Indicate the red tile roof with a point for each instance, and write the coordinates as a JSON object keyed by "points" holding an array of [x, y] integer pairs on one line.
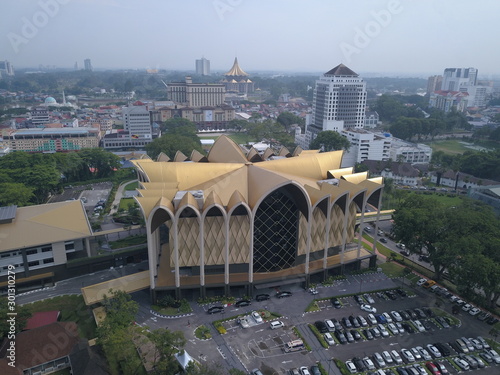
{"points": [[41, 319]]}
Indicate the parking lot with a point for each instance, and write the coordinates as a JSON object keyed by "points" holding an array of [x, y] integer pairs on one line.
{"points": [[258, 346]]}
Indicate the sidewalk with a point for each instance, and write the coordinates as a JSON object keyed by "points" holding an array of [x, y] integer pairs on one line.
{"points": [[118, 196]]}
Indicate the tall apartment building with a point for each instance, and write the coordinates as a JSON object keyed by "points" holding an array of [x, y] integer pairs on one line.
{"points": [[459, 79], [434, 84], [6, 68], [196, 94], [203, 67], [339, 102], [88, 65], [137, 121]]}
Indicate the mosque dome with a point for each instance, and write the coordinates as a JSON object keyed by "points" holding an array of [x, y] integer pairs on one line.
{"points": [[50, 100]]}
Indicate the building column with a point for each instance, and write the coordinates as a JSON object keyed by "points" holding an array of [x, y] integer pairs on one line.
{"points": [[178, 293], [87, 246], [373, 261]]}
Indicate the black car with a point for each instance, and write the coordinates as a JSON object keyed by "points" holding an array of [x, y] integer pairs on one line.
{"points": [[445, 351], [412, 314], [368, 334], [455, 347], [284, 294], [321, 326], [355, 333], [492, 321], [346, 322], [442, 321], [215, 309], [404, 315], [420, 313], [383, 240], [408, 328], [391, 294], [428, 312], [337, 325], [262, 297], [427, 325], [358, 362], [354, 322], [341, 337], [242, 303], [315, 370], [401, 292], [336, 303]]}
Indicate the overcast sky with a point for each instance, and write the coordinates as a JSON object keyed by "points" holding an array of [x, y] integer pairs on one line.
{"points": [[390, 37]]}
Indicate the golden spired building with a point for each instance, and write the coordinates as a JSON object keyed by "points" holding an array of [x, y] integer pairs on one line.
{"points": [[236, 80], [233, 222]]}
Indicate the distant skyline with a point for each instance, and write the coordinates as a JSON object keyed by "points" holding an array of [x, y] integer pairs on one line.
{"points": [[392, 37]]}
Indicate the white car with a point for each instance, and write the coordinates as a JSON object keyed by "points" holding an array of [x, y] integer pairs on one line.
{"points": [[483, 342], [383, 331], [368, 308], [494, 355], [369, 363], [419, 326], [368, 298], [387, 357], [421, 282], [329, 339], [244, 322], [462, 363], [387, 317], [392, 327], [434, 351], [407, 354], [397, 358], [416, 354], [474, 311], [467, 307], [276, 324], [257, 317], [379, 360], [372, 319], [425, 354], [396, 316], [351, 367], [304, 370]]}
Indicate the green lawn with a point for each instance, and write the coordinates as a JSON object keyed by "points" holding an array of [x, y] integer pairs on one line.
{"points": [[132, 186], [73, 309], [452, 146], [124, 202]]}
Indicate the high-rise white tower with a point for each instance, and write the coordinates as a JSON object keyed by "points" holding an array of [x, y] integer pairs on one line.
{"points": [[203, 67]]}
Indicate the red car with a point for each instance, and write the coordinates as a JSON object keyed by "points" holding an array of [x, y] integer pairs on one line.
{"points": [[432, 368]]}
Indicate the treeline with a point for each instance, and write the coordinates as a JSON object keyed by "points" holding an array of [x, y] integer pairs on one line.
{"points": [[409, 121], [481, 164], [30, 178]]}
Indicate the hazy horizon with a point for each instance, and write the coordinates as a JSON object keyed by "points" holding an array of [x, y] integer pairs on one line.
{"points": [[374, 38]]}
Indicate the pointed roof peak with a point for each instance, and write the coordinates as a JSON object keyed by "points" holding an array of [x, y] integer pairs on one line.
{"points": [[236, 70], [341, 70]]}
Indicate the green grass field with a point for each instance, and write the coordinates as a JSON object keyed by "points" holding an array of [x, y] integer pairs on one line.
{"points": [[458, 146], [73, 309], [132, 186]]}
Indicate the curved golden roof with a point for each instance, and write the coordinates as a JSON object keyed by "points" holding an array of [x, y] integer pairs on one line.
{"points": [[236, 70], [226, 177]]}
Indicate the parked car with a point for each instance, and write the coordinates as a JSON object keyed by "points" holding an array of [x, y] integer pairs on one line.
{"points": [[242, 303], [387, 358], [396, 357], [360, 365], [262, 297], [315, 370], [461, 363], [256, 371], [368, 334], [368, 298], [329, 339], [432, 368], [284, 294], [443, 349], [379, 360], [474, 311], [396, 316], [407, 355], [351, 367], [321, 326], [336, 303], [421, 282], [372, 319], [304, 371], [257, 317], [387, 317], [215, 309], [276, 324], [441, 366], [341, 337], [369, 363], [433, 350]]}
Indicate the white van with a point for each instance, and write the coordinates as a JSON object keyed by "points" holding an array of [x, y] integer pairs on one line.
{"points": [[330, 325]]}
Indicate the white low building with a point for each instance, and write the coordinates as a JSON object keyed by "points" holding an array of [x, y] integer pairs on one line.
{"points": [[366, 146]]}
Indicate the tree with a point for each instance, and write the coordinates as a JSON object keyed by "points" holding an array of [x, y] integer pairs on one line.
{"points": [[12, 193], [166, 343], [23, 314], [287, 119], [330, 140], [99, 163], [169, 144]]}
